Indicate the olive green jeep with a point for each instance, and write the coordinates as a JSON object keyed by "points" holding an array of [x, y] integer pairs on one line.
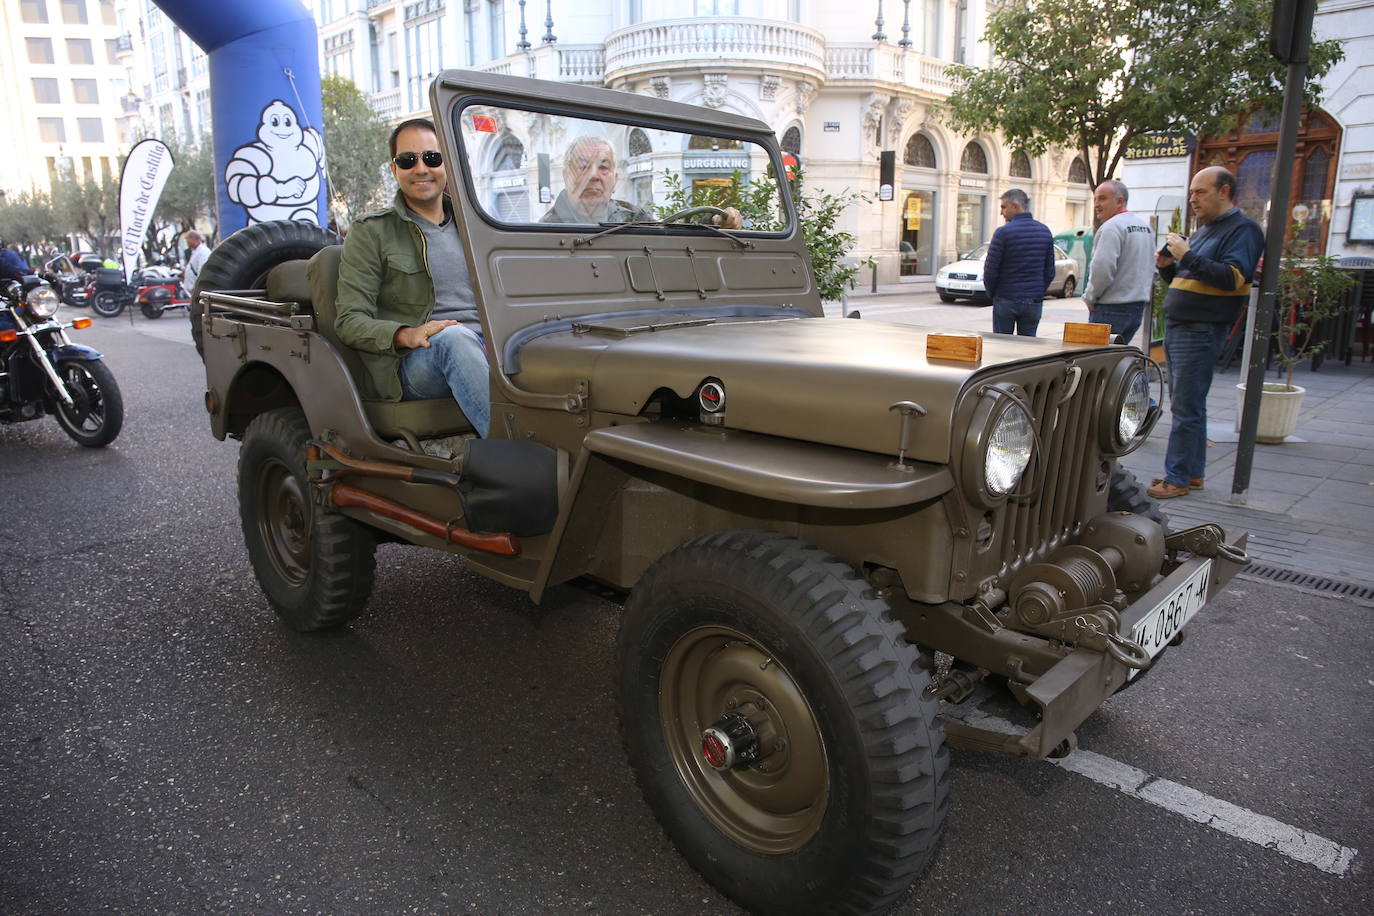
{"points": [[829, 533]]}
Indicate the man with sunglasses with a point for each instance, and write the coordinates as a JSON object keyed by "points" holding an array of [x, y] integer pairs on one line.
{"points": [[405, 299]]}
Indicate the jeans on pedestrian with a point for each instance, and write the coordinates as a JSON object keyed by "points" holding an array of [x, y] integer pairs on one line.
{"points": [[1020, 316], [454, 364], [1191, 349], [1124, 317]]}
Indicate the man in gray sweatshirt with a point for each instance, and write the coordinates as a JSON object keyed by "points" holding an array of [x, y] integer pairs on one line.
{"points": [[1121, 280]]}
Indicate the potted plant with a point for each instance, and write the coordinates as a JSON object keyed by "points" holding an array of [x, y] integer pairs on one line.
{"points": [[1310, 291]]}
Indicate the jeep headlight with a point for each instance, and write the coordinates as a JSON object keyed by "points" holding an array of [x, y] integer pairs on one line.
{"points": [[1008, 450], [1134, 407], [42, 302], [1125, 418]]}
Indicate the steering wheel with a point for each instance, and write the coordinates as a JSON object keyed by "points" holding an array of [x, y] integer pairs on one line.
{"points": [[695, 211]]}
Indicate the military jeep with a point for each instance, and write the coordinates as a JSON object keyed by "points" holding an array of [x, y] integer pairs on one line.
{"points": [[827, 532]]}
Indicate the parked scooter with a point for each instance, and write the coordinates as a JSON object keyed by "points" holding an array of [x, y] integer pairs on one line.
{"points": [[43, 372]]}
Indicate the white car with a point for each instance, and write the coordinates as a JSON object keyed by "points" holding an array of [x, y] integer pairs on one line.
{"points": [[964, 278]]}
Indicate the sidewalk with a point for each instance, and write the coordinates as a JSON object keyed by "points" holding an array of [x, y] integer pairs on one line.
{"points": [[1310, 504]]}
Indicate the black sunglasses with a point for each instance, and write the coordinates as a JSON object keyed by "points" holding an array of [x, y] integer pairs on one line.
{"points": [[432, 158]]}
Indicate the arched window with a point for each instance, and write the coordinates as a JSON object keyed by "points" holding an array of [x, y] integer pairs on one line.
{"points": [[1078, 171], [639, 143], [509, 155], [1020, 165], [700, 141], [919, 152], [1314, 174], [974, 159], [791, 141]]}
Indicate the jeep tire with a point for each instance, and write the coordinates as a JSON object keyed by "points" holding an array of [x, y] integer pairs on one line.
{"points": [[314, 565], [846, 805], [243, 260]]}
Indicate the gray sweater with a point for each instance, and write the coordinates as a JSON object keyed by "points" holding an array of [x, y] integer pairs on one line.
{"points": [[1123, 267]]}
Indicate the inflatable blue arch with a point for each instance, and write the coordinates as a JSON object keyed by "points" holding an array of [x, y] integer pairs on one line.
{"points": [[264, 107]]}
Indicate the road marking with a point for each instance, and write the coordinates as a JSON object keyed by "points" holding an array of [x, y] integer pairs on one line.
{"points": [[1232, 820]]}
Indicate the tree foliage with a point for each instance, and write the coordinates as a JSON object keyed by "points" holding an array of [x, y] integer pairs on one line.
{"points": [[1092, 75], [757, 200], [88, 207], [189, 194], [27, 220], [356, 146]]}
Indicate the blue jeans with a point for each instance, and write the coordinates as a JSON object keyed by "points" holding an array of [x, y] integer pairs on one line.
{"points": [[455, 364], [1191, 349], [1124, 317], [1019, 315]]}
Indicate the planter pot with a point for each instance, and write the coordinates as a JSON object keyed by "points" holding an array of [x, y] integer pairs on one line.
{"points": [[1278, 412]]}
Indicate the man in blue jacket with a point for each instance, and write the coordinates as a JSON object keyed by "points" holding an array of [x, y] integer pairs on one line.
{"points": [[1209, 276], [1019, 267]]}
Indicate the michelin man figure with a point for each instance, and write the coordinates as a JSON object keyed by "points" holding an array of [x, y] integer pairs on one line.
{"points": [[278, 175]]}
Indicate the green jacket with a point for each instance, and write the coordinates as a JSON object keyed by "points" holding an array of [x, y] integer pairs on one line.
{"points": [[384, 285]]}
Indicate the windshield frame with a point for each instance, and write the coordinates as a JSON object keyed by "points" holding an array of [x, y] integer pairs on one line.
{"points": [[467, 100]]}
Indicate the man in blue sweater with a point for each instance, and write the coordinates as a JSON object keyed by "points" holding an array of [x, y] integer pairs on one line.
{"points": [[1209, 276], [1019, 267]]}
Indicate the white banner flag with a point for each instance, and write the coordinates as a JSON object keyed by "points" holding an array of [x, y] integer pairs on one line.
{"points": [[140, 185]]}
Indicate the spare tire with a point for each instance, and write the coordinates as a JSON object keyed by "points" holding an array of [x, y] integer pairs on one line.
{"points": [[243, 260]]}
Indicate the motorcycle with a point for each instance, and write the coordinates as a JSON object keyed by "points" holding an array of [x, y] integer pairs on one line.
{"points": [[153, 289], [43, 372], [69, 282]]}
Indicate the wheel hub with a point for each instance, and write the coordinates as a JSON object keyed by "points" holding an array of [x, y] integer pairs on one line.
{"points": [[731, 742]]}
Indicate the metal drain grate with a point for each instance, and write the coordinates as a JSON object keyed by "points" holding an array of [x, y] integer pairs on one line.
{"points": [[1326, 584]]}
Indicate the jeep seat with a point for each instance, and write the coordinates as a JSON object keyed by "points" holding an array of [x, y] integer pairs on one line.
{"points": [[426, 419]]}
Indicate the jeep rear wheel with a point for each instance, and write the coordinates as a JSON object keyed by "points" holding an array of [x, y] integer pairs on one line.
{"points": [[315, 566], [243, 260], [777, 723]]}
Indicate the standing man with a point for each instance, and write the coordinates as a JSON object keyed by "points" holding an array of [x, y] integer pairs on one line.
{"points": [[405, 300], [1121, 281], [1019, 267], [1209, 277], [200, 253]]}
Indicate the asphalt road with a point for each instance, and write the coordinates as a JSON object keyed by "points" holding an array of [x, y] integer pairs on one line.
{"points": [[167, 747]]}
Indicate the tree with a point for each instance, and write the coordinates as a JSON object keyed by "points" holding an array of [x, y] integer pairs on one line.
{"points": [[189, 193], [88, 208], [1093, 75], [355, 146], [28, 221]]}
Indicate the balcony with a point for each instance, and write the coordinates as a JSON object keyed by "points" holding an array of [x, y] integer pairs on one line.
{"points": [[564, 63], [865, 62], [387, 103], [678, 44]]}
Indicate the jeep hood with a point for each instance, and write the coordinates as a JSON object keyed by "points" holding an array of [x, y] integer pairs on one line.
{"points": [[827, 380]]}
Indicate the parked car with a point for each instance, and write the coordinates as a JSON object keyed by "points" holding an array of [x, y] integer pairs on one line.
{"points": [[964, 278]]}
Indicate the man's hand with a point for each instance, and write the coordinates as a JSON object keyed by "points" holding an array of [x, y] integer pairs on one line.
{"points": [[1177, 245], [413, 338], [733, 219]]}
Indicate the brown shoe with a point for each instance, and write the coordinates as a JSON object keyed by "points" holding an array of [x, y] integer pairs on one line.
{"points": [[1194, 483], [1165, 490]]}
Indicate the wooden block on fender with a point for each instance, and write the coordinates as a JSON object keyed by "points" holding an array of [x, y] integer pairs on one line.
{"points": [[1080, 333], [967, 348]]}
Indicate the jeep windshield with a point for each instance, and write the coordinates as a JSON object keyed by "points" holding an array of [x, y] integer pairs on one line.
{"points": [[536, 169]]}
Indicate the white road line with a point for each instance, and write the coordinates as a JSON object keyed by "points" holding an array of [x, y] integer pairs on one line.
{"points": [[1232, 820]]}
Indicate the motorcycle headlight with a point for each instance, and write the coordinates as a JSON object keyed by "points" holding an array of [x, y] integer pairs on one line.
{"points": [[42, 302], [1008, 451]]}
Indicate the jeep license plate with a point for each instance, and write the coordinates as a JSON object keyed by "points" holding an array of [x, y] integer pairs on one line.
{"points": [[1162, 624]]}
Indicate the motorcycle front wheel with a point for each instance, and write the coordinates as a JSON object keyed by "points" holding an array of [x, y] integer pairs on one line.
{"points": [[107, 304], [97, 411]]}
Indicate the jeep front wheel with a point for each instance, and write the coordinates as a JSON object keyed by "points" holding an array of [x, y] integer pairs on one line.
{"points": [[315, 566], [777, 723]]}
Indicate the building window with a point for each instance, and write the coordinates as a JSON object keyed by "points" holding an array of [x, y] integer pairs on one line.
{"points": [[45, 90], [917, 245], [791, 140], [919, 152], [424, 52], [74, 12], [961, 33], [112, 50], [717, 7], [470, 32], [510, 195], [496, 29], [969, 221], [84, 92], [157, 47], [1078, 172], [107, 12], [79, 51], [52, 130], [974, 159], [92, 130], [1020, 165], [33, 11], [639, 143], [40, 50]]}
